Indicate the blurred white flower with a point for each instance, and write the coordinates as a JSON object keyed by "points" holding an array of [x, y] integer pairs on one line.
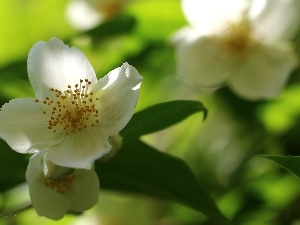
{"points": [[240, 42], [54, 196], [73, 114], [86, 14]]}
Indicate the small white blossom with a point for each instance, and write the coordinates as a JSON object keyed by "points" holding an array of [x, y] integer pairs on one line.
{"points": [[73, 114], [240, 42], [86, 14], [55, 196]]}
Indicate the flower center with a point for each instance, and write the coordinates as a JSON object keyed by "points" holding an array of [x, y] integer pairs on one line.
{"points": [[71, 110], [60, 186], [110, 9], [237, 38]]}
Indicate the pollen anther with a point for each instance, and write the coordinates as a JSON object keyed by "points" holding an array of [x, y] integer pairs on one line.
{"points": [[60, 186], [71, 110]]}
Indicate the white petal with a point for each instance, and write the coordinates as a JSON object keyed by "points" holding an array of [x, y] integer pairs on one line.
{"points": [[264, 72], [55, 65], [202, 62], [118, 94], [212, 15], [275, 20], [46, 202], [80, 149], [24, 126], [85, 190]]}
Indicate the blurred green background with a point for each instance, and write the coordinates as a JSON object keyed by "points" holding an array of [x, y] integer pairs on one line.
{"points": [[224, 151]]}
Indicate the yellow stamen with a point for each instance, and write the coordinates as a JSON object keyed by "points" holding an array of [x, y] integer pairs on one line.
{"points": [[71, 110], [60, 186], [237, 38]]}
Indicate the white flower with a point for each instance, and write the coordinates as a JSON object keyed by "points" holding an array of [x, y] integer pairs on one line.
{"points": [[86, 14], [73, 114], [244, 45], [54, 197], [81, 15]]}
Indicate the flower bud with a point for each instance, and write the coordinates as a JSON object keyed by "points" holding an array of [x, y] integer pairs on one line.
{"points": [[53, 171], [116, 142]]}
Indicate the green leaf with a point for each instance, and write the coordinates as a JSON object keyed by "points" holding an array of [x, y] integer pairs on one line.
{"points": [[290, 163], [138, 168], [12, 167], [161, 116], [119, 25]]}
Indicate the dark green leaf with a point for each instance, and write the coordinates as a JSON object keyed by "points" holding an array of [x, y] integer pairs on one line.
{"points": [[139, 168], [290, 163], [117, 26], [12, 167], [161, 116]]}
